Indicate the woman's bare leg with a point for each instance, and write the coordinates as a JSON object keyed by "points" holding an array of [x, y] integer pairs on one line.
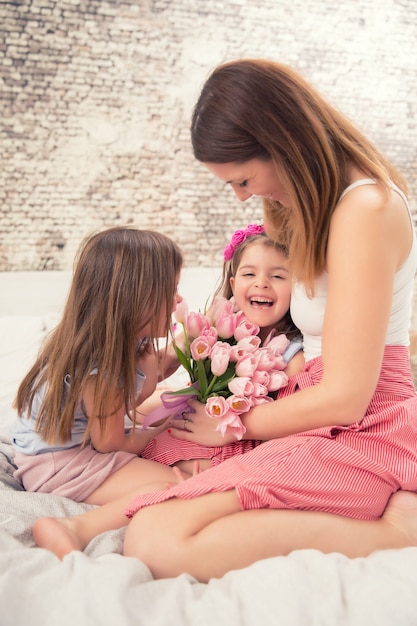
{"points": [[205, 536]]}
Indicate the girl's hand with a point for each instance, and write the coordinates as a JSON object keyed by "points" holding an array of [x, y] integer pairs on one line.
{"points": [[198, 427], [184, 475]]}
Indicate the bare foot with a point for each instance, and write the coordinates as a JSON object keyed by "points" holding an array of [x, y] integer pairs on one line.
{"points": [[57, 535], [401, 512]]}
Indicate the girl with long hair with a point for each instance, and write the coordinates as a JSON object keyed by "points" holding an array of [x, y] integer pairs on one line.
{"points": [[73, 436]]}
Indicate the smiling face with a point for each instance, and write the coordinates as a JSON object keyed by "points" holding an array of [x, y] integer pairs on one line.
{"points": [[251, 178], [262, 285]]}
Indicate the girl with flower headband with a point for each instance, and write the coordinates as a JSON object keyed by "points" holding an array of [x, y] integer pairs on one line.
{"points": [[232, 255], [256, 275]]}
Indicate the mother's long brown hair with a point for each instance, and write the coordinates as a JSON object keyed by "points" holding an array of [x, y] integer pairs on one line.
{"points": [[254, 108], [124, 279]]}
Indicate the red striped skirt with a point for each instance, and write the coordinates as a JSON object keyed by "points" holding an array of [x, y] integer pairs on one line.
{"points": [[167, 450], [349, 471]]}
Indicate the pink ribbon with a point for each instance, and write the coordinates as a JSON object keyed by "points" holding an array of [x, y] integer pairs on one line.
{"points": [[172, 404]]}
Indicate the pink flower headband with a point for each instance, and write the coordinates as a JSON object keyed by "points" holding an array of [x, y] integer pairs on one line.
{"points": [[239, 236]]}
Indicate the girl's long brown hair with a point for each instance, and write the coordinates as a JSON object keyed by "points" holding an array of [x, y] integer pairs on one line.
{"points": [[254, 108], [123, 279]]}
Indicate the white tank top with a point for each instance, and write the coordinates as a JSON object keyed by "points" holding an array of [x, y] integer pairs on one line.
{"points": [[308, 313]]}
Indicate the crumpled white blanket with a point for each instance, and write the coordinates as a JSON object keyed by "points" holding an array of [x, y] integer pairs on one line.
{"points": [[101, 587]]}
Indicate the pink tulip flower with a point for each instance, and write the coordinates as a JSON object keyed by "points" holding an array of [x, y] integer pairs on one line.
{"points": [[259, 390], [211, 335], [226, 324], [247, 365], [221, 305], [200, 349], [258, 369], [181, 312], [231, 423], [266, 359], [246, 345], [256, 400], [277, 344], [245, 329], [241, 386], [277, 380], [261, 377], [280, 363], [220, 358], [238, 404], [196, 323], [217, 407]]}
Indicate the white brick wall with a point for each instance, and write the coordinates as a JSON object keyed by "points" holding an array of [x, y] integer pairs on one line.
{"points": [[96, 98]]}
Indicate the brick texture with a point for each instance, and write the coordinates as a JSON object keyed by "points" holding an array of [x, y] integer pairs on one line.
{"points": [[96, 98]]}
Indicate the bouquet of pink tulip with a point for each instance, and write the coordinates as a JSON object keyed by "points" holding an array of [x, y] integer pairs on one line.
{"points": [[229, 370]]}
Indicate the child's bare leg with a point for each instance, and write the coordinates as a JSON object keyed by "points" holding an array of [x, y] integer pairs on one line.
{"points": [[63, 535], [205, 536], [134, 476]]}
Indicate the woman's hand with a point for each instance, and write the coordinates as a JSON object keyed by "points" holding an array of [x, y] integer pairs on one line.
{"points": [[198, 427]]}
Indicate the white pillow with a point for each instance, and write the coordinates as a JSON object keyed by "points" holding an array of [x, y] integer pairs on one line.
{"points": [[20, 340]]}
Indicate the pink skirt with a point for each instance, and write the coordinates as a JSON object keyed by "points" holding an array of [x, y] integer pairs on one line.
{"points": [[350, 471], [73, 473]]}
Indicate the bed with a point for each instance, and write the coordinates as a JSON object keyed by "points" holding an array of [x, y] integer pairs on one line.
{"points": [[100, 586]]}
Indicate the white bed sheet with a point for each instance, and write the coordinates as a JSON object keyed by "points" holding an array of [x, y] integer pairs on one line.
{"points": [[102, 587]]}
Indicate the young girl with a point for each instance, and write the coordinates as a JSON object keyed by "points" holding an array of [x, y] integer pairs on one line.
{"points": [[96, 367], [256, 274]]}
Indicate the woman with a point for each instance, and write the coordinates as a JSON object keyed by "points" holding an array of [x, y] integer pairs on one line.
{"points": [[342, 437]]}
